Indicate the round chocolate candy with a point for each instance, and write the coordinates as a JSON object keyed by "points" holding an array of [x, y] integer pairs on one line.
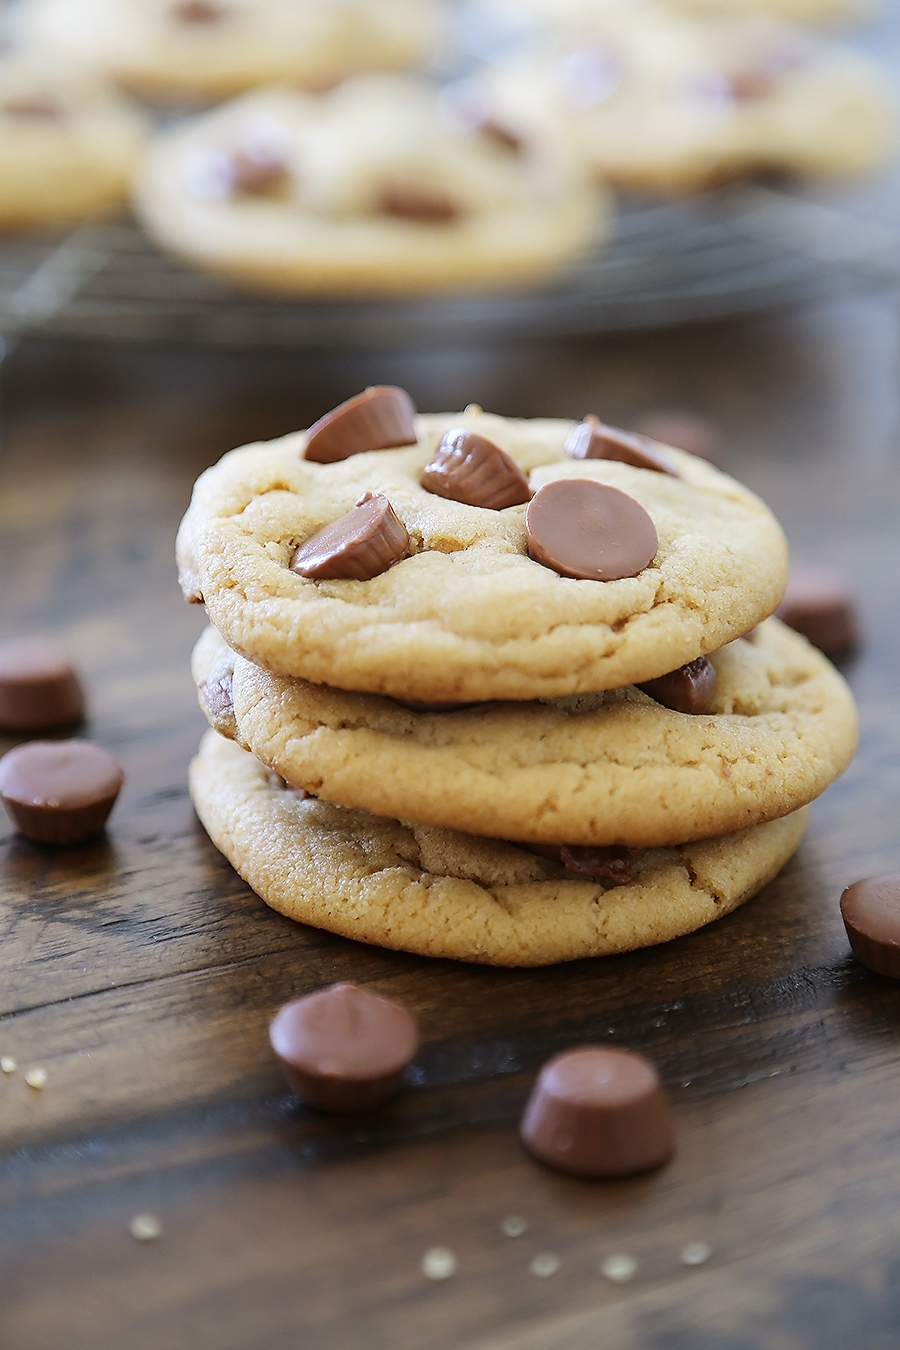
{"points": [[598, 1113], [59, 792], [587, 530], [38, 687], [819, 604], [871, 912], [343, 1049]]}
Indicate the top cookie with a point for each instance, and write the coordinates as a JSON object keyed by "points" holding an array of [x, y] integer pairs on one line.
{"points": [[209, 49], [467, 614]]}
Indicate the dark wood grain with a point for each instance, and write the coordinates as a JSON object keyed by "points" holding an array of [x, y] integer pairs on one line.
{"points": [[141, 973]]}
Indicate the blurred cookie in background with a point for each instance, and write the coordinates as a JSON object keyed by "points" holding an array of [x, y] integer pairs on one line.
{"points": [[661, 102], [376, 187], [794, 11], [204, 50], [687, 430], [68, 143]]}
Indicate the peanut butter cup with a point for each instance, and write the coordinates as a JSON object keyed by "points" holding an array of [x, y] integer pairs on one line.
{"points": [[592, 440], [589, 531], [598, 1113], [471, 469], [38, 687], [359, 545], [59, 792], [378, 419], [871, 912], [689, 689], [343, 1049]]}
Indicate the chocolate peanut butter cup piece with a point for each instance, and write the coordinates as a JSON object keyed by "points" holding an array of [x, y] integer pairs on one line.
{"points": [[415, 203], [598, 1113], [689, 689], [496, 131], [871, 912], [471, 469], [255, 174], [36, 108], [59, 792], [821, 605], [358, 546], [591, 439], [344, 1049], [378, 419], [38, 687], [196, 11], [589, 531]]}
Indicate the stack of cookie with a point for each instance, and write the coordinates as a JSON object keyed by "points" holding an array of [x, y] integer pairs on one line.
{"points": [[497, 690]]}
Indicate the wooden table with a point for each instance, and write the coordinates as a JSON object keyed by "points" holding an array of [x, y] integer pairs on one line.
{"points": [[141, 973]]}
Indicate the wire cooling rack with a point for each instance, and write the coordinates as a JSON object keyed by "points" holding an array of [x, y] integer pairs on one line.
{"points": [[728, 252]]}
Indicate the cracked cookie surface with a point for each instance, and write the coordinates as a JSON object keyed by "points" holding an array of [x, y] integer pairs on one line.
{"points": [[615, 768], [440, 893], [468, 615]]}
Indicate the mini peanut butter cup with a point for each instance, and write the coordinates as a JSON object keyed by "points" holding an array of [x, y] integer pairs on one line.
{"points": [[871, 912], [592, 440], [589, 531], [254, 175], [343, 1049], [358, 546], [689, 689], [377, 419], [595, 1112], [417, 203], [196, 11], [469, 468], [38, 687], [59, 792]]}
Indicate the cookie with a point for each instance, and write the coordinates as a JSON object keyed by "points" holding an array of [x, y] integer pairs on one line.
{"points": [[68, 145], [440, 893], [615, 768], [793, 11], [468, 615], [372, 188], [662, 102], [211, 49]]}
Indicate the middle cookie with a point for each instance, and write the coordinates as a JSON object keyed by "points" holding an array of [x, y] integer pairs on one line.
{"points": [[605, 768]]}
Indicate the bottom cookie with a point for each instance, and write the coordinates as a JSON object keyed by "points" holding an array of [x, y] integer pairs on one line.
{"points": [[436, 892]]}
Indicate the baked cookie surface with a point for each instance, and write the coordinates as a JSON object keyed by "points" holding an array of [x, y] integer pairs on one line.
{"points": [[368, 189], [793, 11], [211, 49], [663, 102], [68, 144], [439, 893], [469, 615], [598, 769]]}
